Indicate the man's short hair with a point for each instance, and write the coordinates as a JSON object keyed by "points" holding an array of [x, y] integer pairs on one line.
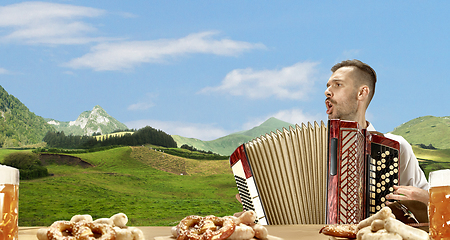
{"points": [[370, 79]]}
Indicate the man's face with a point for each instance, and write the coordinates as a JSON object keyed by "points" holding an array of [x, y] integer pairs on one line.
{"points": [[341, 95]]}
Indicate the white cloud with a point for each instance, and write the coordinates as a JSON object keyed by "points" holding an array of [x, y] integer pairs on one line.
{"points": [[203, 132], [47, 23], [125, 55], [4, 71], [144, 104], [293, 116], [293, 82], [140, 106]]}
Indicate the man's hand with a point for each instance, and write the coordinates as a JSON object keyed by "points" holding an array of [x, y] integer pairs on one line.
{"points": [[238, 197], [409, 193]]}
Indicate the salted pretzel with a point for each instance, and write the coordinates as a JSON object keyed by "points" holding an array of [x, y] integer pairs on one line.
{"points": [[62, 230], [340, 230], [83, 227], [204, 228], [95, 231], [83, 230]]}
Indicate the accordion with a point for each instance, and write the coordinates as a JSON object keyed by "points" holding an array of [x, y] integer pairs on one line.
{"points": [[313, 174]]}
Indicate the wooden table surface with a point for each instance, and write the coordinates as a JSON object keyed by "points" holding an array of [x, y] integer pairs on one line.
{"points": [[286, 232]]}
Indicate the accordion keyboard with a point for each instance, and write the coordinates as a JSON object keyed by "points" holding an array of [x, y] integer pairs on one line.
{"points": [[383, 175], [244, 193]]}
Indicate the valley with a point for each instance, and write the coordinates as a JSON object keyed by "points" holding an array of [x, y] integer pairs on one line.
{"points": [[131, 180]]}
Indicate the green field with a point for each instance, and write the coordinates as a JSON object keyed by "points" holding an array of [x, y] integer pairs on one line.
{"points": [[121, 183], [151, 187], [431, 160]]}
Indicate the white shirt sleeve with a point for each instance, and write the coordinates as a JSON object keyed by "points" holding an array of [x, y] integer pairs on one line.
{"points": [[410, 172]]}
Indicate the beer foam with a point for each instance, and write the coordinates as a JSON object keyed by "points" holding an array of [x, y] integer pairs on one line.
{"points": [[9, 175], [439, 178]]}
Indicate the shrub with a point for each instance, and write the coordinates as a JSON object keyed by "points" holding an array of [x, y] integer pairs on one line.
{"points": [[427, 147], [29, 165]]}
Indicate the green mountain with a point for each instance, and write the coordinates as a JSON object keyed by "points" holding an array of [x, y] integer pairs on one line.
{"points": [[19, 126], [426, 130], [227, 144], [89, 122]]}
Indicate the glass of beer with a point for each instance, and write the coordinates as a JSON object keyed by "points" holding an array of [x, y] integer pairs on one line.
{"points": [[9, 202], [439, 205]]}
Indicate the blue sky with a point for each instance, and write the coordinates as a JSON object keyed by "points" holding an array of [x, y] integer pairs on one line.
{"points": [[205, 69]]}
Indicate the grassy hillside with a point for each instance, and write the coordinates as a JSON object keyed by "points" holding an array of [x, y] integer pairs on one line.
{"points": [[151, 187], [18, 125], [426, 130], [431, 160], [227, 144], [128, 180]]}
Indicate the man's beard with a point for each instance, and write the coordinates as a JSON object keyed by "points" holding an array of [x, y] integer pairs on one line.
{"points": [[348, 113]]}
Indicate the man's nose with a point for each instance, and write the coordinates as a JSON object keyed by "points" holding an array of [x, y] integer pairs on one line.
{"points": [[328, 92]]}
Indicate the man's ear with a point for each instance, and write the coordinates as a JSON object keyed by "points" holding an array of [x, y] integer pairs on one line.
{"points": [[363, 93]]}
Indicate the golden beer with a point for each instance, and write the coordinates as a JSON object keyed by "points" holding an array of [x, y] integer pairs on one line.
{"points": [[9, 204], [439, 204]]}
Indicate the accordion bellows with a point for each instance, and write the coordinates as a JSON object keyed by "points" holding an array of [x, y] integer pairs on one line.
{"points": [[316, 174], [291, 168]]}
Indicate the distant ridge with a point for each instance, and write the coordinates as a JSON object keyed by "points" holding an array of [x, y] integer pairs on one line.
{"points": [[426, 130], [227, 144], [18, 125], [89, 122]]}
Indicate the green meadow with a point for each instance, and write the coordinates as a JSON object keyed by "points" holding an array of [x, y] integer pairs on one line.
{"points": [[152, 187], [432, 159], [129, 180]]}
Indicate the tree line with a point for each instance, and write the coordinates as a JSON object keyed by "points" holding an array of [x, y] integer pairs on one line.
{"points": [[146, 135]]}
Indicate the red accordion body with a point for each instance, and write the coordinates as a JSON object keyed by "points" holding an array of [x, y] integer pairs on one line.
{"points": [[362, 169]]}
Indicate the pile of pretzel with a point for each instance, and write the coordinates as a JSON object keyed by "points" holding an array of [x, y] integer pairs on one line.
{"points": [[383, 225], [379, 226], [83, 227], [237, 227]]}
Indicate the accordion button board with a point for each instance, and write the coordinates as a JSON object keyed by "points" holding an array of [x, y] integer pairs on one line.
{"points": [[383, 174]]}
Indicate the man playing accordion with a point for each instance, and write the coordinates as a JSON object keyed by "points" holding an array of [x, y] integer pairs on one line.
{"points": [[349, 92]]}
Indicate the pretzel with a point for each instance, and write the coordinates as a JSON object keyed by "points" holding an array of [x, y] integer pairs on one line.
{"points": [[95, 231], [62, 230], [239, 226], [82, 227], [340, 230], [227, 227], [184, 231], [210, 227]]}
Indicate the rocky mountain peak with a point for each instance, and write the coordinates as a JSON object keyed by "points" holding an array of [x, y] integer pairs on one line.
{"points": [[88, 122]]}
